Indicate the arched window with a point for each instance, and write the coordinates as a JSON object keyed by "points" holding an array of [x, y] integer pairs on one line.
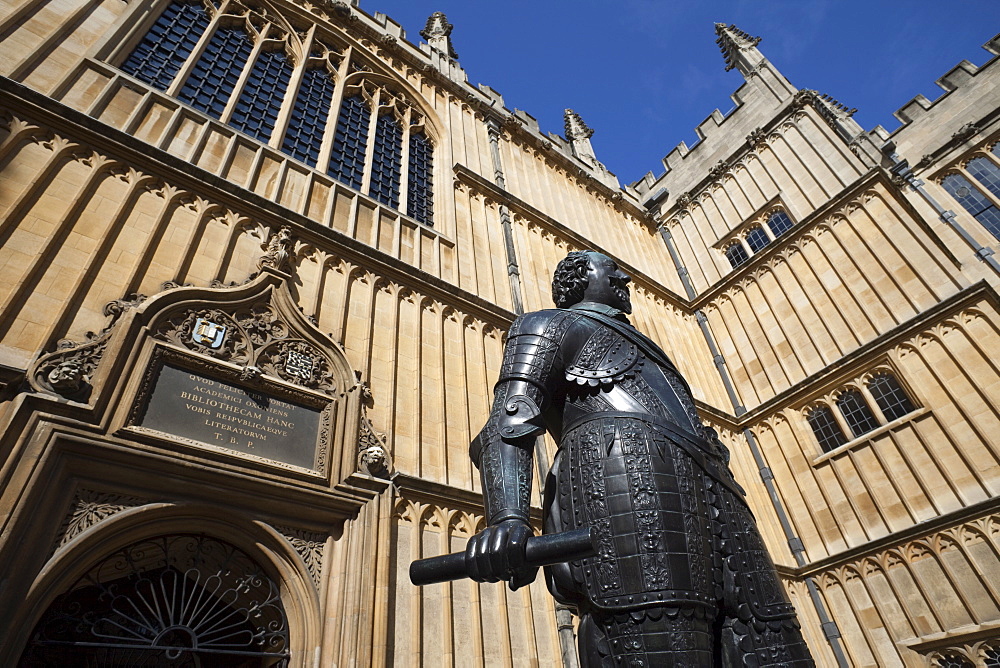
{"points": [[973, 201], [889, 396], [386, 162], [857, 414], [384, 155], [160, 54], [826, 429], [178, 600], [257, 109], [419, 191], [736, 254], [779, 222], [757, 238], [217, 71], [986, 172], [304, 136]]}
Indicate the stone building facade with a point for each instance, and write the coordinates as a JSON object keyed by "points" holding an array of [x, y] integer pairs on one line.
{"points": [[256, 262]]}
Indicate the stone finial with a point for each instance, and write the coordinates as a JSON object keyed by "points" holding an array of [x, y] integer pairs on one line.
{"points": [[437, 32], [738, 48], [575, 127]]}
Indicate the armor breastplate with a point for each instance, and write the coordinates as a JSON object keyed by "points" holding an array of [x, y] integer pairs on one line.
{"points": [[611, 373]]}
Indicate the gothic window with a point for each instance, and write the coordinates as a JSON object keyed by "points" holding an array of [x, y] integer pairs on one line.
{"points": [[243, 77], [986, 172], [217, 71], [736, 254], [160, 54], [857, 414], [419, 193], [975, 202], [347, 162], [757, 238], [889, 396], [826, 429], [257, 109], [386, 163], [779, 222], [304, 136]]}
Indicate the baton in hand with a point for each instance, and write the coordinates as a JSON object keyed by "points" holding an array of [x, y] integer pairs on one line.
{"points": [[539, 551]]}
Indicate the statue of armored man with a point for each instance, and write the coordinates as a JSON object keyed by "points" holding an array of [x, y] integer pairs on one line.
{"points": [[681, 576]]}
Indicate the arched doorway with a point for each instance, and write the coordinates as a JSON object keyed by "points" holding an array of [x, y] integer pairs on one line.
{"points": [[177, 601]]}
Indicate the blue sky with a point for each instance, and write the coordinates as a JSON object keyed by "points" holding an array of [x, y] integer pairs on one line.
{"points": [[644, 73]]}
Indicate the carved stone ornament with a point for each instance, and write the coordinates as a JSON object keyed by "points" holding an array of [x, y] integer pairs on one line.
{"points": [[90, 508], [279, 249], [68, 371], [309, 545], [253, 336], [373, 451]]}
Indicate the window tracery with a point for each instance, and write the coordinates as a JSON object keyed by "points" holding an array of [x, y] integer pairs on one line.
{"points": [[975, 185], [761, 230], [240, 64]]}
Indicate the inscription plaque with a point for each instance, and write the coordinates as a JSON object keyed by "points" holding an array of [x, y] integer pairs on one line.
{"points": [[200, 408]]}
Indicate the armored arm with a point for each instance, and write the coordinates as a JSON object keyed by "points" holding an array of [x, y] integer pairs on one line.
{"points": [[503, 449]]}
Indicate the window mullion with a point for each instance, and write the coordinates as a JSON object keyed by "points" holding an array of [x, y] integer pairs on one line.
{"points": [[241, 83], [404, 164], [330, 131], [288, 102], [185, 71], [838, 415], [366, 179], [872, 404]]}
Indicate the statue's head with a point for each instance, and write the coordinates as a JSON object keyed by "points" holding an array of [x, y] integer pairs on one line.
{"points": [[590, 276]]}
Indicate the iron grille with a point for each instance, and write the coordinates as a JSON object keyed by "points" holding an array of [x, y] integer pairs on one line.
{"points": [[179, 600]]}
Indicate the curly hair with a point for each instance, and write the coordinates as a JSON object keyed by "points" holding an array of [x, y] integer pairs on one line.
{"points": [[570, 279]]}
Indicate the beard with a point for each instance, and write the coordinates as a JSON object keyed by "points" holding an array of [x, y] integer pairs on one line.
{"points": [[623, 297]]}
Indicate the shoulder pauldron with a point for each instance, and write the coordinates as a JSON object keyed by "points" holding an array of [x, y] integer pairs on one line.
{"points": [[606, 357]]}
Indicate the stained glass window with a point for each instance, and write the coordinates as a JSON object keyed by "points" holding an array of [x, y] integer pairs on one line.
{"points": [[217, 71], [826, 429], [305, 127], [889, 396], [857, 414], [386, 161], [419, 193], [160, 54], [974, 202], [257, 109], [347, 162], [779, 222]]}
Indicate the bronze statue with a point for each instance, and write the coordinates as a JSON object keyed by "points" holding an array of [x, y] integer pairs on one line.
{"points": [[681, 576]]}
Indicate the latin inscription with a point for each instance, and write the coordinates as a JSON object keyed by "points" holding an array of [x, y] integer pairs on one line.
{"points": [[209, 410]]}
